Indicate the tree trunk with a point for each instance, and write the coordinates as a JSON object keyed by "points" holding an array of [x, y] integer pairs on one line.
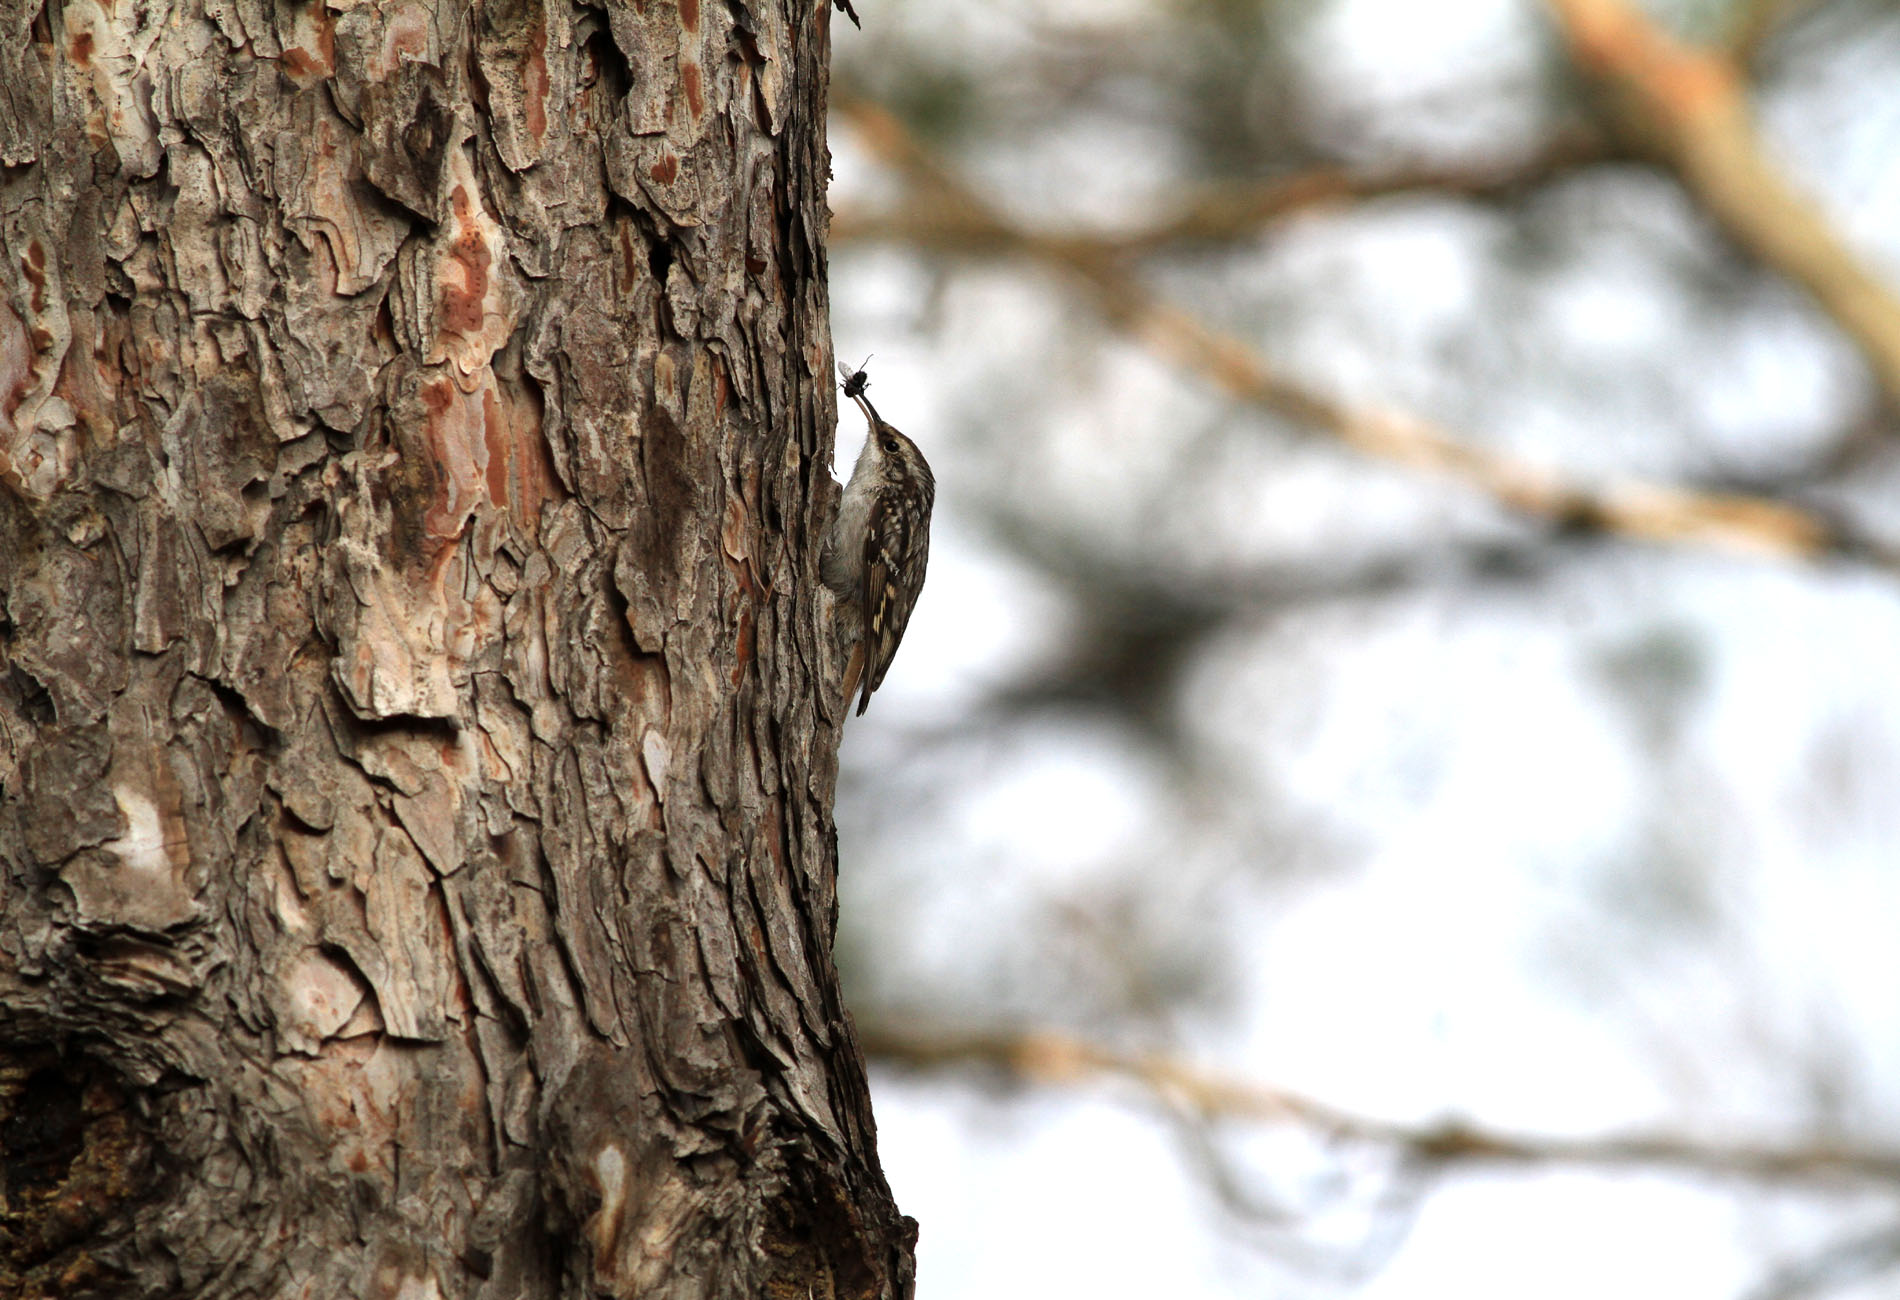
{"points": [[416, 744]]}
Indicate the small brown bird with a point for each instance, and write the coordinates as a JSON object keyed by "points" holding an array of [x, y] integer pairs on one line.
{"points": [[880, 543]]}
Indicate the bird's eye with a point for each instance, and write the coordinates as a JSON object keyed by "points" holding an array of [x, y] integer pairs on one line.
{"points": [[890, 444]]}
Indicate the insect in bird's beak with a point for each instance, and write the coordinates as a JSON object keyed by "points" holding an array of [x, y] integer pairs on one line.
{"points": [[855, 381]]}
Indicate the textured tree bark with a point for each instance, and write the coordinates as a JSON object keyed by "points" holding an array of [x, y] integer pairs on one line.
{"points": [[416, 744]]}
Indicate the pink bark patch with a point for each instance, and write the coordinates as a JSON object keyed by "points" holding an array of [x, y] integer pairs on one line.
{"points": [[33, 267], [463, 304], [406, 37], [520, 475], [691, 82], [456, 445], [534, 85], [16, 366]]}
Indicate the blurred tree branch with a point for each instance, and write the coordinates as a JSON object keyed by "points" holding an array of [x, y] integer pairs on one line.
{"points": [[1653, 512], [1389, 1213], [1225, 213], [1685, 108], [1057, 1059], [1758, 24], [1852, 1260], [1143, 624]]}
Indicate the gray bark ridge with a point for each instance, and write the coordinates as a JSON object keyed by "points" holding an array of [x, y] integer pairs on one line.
{"points": [[417, 874]]}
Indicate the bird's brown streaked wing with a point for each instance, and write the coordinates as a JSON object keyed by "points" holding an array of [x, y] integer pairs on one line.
{"points": [[895, 543]]}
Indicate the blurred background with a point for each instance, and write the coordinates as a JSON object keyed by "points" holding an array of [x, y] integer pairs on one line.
{"points": [[1393, 786]]}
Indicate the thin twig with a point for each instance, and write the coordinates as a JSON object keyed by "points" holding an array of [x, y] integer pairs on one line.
{"points": [[1685, 107], [1056, 1059], [1652, 512]]}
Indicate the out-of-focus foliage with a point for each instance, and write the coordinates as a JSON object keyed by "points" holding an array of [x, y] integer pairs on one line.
{"points": [[1215, 739]]}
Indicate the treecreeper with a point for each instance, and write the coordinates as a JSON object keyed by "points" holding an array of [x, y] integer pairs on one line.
{"points": [[879, 546]]}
